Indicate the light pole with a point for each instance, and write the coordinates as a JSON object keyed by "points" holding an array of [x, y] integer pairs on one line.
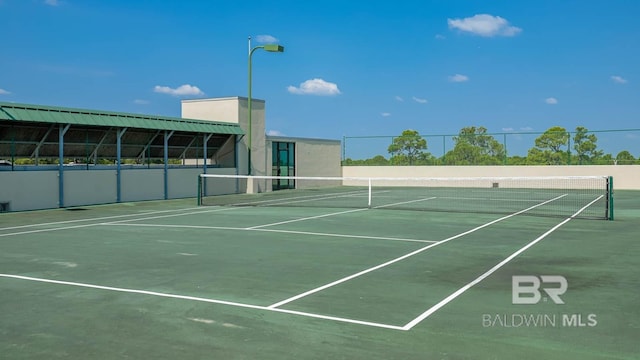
{"points": [[270, 48]]}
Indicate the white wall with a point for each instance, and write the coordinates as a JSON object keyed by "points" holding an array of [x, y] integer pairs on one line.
{"points": [[33, 190], [218, 109], [142, 184], [29, 190], [313, 157], [89, 187], [625, 177], [235, 110], [318, 157]]}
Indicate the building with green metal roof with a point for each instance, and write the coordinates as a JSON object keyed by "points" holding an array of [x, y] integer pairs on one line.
{"points": [[54, 156]]}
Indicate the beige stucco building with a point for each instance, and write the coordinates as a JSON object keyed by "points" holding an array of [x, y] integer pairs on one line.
{"points": [[270, 155]]}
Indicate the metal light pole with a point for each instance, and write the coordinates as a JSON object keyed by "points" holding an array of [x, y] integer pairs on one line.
{"points": [[270, 48]]}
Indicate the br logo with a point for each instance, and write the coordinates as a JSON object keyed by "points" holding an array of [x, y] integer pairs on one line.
{"points": [[529, 285]]}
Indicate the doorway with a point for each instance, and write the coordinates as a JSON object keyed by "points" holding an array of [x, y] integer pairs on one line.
{"points": [[283, 164]]}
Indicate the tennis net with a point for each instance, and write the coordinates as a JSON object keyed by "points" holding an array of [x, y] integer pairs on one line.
{"points": [[591, 196]]}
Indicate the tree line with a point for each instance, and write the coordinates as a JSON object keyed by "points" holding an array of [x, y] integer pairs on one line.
{"points": [[474, 146]]}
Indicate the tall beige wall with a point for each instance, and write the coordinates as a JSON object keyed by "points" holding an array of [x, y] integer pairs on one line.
{"points": [[625, 177], [235, 110], [313, 157], [218, 109]]}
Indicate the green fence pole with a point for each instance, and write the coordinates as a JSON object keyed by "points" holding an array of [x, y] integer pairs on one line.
{"points": [[506, 156], [569, 150], [344, 148], [444, 150]]}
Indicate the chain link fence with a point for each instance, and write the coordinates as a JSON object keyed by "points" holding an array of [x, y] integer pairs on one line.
{"points": [[604, 147]]}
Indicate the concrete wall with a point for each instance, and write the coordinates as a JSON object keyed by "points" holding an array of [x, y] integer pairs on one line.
{"points": [[218, 109], [314, 157], [29, 190], [235, 110], [89, 187], [143, 184], [625, 177], [33, 190], [318, 157]]}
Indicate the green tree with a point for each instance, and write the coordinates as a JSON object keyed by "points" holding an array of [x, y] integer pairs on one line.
{"points": [[625, 158], [407, 148], [585, 146], [475, 147], [548, 149]]}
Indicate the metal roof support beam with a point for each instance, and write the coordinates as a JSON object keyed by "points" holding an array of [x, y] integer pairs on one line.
{"points": [[36, 151], [118, 164], [94, 154], [167, 135], [146, 147], [62, 129], [184, 153]]}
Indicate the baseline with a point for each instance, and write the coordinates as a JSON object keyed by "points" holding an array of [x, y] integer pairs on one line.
{"points": [[200, 299]]}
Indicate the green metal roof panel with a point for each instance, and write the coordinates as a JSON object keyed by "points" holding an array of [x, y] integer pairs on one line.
{"points": [[58, 115]]}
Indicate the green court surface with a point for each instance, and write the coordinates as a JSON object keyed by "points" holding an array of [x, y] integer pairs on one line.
{"points": [[170, 280]]}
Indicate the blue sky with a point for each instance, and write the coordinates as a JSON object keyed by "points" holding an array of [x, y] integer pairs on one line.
{"points": [[349, 68]]}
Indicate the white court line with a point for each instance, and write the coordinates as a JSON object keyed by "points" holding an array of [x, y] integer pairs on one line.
{"points": [[345, 235], [490, 199], [47, 230], [194, 298], [114, 222], [403, 202], [305, 218], [92, 219], [298, 199], [459, 292], [217, 209], [339, 281], [275, 231], [336, 213]]}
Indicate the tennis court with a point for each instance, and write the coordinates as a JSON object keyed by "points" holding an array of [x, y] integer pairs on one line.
{"points": [[168, 279]]}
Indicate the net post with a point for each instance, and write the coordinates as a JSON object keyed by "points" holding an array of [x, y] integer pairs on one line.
{"points": [[610, 196], [199, 190], [369, 200]]}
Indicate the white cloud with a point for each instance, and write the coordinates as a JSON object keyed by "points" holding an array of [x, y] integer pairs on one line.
{"points": [[526, 128], [508, 129], [179, 91], [618, 79], [399, 98], [266, 39], [4, 92], [141, 102], [440, 37], [52, 2], [418, 100], [274, 133], [315, 87], [385, 114], [484, 25], [551, 101], [458, 78]]}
